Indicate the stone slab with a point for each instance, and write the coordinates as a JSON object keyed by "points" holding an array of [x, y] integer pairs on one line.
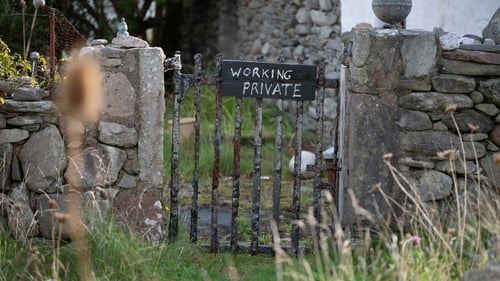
{"points": [[368, 140], [473, 56], [151, 111], [29, 106], [469, 68], [481, 47]]}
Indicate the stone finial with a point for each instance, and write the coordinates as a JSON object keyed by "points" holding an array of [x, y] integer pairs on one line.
{"points": [[122, 28], [391, 11], [124, 40]]}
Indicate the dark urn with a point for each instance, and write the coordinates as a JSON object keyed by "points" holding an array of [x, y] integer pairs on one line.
{"points": [[391, 11]]}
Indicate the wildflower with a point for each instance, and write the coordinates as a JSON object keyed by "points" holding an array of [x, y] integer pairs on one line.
{"points": [[415, 239]]}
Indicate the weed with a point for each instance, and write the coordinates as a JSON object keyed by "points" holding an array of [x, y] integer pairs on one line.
{"points": [[430, 248]]}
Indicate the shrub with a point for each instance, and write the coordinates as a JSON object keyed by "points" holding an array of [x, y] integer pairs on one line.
{"points": [[12, 64]]}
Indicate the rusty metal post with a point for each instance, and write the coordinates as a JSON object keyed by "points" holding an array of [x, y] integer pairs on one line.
{"points": [[336, 166], [318, 163], [297, 180], [214, 240], [278, 146], [174, 170], [52, 45], [182, 83], [297, 168], [236, 174], [257, 166], [194, 199]]}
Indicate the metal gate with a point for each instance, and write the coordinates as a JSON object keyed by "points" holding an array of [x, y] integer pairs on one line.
{"points": [[182, 83]]}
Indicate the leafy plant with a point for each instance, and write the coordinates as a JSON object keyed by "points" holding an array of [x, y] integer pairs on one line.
{"points": [[12, 64]]}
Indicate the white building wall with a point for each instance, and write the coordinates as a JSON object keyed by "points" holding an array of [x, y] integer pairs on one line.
{"points": [[460, 16]]}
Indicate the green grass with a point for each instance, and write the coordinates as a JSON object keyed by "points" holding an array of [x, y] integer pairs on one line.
{"points": [[186, 166], [117, 254], [444, 251]]}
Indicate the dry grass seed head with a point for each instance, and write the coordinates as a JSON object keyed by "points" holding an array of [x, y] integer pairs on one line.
{"points": [[451, 108], [473, 128], [81, 94], [61, 217], [496, 156], [18, 207], [447, 154], [52, 204], [388, 156], [34, 250], [376, 187]]}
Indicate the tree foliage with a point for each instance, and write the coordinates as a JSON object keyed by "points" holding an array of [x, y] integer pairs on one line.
{"points": [[94, 19]]}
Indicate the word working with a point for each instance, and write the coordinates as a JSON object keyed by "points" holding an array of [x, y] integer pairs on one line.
{"points": [[268, 80]]}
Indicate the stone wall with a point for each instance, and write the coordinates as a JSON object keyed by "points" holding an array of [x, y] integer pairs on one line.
{"points": [[404, 95], [293, 29], [119, 164]]}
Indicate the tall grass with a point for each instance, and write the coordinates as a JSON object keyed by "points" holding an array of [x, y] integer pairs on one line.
{"points": [[420, 252], [435, 243], [117, 253]]}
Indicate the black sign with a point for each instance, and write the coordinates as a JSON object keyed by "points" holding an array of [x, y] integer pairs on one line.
{"points": [[268, 80]]}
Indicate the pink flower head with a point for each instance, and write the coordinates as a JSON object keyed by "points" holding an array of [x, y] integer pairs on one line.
{"points": [[415, 239]]}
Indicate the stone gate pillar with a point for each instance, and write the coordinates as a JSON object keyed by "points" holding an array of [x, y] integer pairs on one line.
{"points": [[130, 133], [384, 65]]}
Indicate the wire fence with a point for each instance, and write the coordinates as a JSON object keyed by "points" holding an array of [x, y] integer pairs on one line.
{"points": [[52, 33]]}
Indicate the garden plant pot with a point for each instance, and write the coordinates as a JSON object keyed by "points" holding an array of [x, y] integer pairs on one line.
{"points": [[186, 128]]}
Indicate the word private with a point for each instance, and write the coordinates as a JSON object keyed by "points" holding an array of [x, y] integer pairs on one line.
{"points": [[268, 80]]}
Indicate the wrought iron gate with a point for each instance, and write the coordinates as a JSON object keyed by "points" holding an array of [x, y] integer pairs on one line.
{"points": [[182, 83]]}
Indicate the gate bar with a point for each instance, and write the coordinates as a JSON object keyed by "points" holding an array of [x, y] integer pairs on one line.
{"points": [[214, 240], [236, 174], [297, 180], [278, 145], [194, 199], [182, 83], [318, 163], [254, 245]]}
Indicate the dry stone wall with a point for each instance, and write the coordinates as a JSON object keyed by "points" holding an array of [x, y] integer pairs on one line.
{"points": [[119, 167], [307, 29], [410, 98]]}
